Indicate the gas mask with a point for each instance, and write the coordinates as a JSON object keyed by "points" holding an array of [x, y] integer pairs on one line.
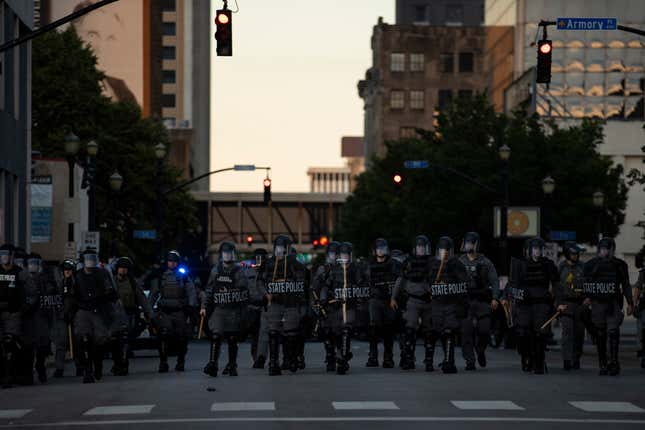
{"points": [[227, 257], [469, 247]]}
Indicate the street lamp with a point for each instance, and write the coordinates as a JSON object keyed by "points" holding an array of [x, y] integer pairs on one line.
{"points": [[504, 155], [548, 186], [599, 203], [116, 182], [92, 149], [160, 155], [72, 145]]}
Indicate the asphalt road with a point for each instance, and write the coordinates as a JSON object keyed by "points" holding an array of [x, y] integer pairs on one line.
{"points": [[500, 396]]}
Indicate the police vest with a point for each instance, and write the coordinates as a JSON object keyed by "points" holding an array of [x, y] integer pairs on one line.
{"points": [[601, 279], [225, 291], [537, 279], [285, 281], [10, 285], [447, 285], [478, 272], [173, 291], [571, 281], [416, 269], [382, 278], [50, 297], [91, 288], [126, 293], [345, 285]]}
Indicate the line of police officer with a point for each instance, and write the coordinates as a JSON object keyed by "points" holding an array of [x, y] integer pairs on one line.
{"points": [[443, 295]]}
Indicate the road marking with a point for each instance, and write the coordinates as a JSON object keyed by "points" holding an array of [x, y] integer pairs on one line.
{"points": [[242, 406], [363, 406], [14, 413], [325, 419], [489, 405], [120, 410], [607, 407]]}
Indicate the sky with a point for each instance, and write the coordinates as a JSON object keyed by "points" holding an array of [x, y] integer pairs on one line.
{"points": [[288, 94]]}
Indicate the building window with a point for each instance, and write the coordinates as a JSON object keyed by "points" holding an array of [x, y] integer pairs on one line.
{"points": [[168, 100], [417, 62], [421, 14], [454, 14], [397, 99], [417, 100], [445, 97], [169, 77], [169, 29], [170, 122], [447, 61], [466, 62], [168, 5], [407, 132], [169, 53], [397, 62], [465, 94]]}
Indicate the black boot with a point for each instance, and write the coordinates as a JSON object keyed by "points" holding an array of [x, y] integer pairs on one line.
{"points": [[301, 353], [97, 358], [285, 365], [125, 352], [388, 348], [291, 349], [614, 342], [643, 346], [601, 344], [41, 371], [430, 341], [372, 359], [274, 351], [163, 356], [330, 352], [480, 348], [408, 349], [524, 349], [211, 367], [259, 362], [345, 353], [448, 343], [7, 348], [232, 356], [86, 360], [539, 347], [182, 350]]}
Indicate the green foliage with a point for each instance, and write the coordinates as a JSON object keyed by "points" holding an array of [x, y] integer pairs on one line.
{"points": [[67, 97], [467, 139]]}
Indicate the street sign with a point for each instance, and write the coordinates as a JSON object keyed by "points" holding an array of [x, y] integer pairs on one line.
{"points": [[587, 24], [145, 234], [244, 167], [416, 164], [558, 236], [91, 239], [70, 251]]}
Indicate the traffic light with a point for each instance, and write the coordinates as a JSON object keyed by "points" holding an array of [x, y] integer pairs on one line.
{"points": [[397, 179], [545, 49], [324, 241], [249, 240], [316, 242], [224, 32], [267, 190]]}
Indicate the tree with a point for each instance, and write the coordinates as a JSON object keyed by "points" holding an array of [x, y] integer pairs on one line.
{"points": [[467, 139], [67, 97], [637, 177]]}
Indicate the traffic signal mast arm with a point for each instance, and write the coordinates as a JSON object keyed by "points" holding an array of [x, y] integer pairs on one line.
{"points": [[619, 27], [205, 175]]}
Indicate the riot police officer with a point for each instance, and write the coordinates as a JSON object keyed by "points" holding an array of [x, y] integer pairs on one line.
{"points": [[285, 290], [256, 309], [176, 297], [339, 295], [88, 302], [319, 280], [569, 304], [227, 294], [133, 302], [533, 280], [413, 285], [382, 273], [606, 284], [483, 297], [12, 303], [59, 331], [449, 290]]}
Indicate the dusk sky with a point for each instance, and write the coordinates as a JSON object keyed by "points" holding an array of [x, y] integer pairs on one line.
{"points": [[288, 94]]}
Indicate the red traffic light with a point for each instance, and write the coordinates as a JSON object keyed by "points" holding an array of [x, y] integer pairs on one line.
{"points": [[397, 178], [249, 239], [546, 48], [222, 18], [266, 183], [324, 241], [316, 242]]}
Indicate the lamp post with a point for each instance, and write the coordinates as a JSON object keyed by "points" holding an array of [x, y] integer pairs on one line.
{"points": [[116, 182], [504, 152], [160, 155], [72, 145], [92, 150], [599, 204], [548, 186]]}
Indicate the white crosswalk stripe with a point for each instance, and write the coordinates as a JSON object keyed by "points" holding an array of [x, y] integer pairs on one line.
{"points": [[120, 410], [607, 407], [362, 406], [487, 405], [13, 413], [242, 406]]}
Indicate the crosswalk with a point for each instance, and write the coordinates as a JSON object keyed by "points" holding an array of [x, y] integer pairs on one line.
{"points": [[597, 407]]}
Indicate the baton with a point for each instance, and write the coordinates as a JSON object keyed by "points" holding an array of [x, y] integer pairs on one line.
{"points": [[201, 326], [71, 341], [550, 320]]}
